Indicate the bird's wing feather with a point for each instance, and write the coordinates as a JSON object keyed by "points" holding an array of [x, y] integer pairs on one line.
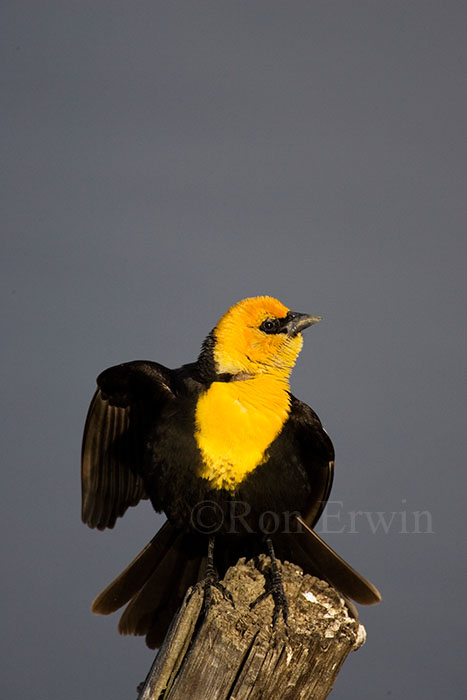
{"points": [[316, 452], [128, 396], [305, 547]]}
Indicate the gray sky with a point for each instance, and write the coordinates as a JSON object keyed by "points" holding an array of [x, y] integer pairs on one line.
{"points": [[164, 160]]}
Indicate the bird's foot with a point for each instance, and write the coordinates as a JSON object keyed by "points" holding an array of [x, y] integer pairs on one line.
{"points": [[275, 588], [211, 581]]}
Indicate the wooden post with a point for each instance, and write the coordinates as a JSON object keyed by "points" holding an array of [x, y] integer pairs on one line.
{"points": [[233, 653]]}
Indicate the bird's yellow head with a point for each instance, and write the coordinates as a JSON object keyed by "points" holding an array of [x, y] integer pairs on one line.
{"points": [[259, 335]]}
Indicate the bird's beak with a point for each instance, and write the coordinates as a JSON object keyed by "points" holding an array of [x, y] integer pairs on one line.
{"points": [[299, 322]]}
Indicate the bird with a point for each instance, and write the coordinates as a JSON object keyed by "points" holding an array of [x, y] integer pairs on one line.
{"points": [[234, 460]]}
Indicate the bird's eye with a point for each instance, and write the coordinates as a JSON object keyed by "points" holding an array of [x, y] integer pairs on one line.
{"points": [[269, 326]]}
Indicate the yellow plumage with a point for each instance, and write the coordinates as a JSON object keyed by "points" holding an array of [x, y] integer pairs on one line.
{"points": [[198, 434], [237, 421], [235, 424]]}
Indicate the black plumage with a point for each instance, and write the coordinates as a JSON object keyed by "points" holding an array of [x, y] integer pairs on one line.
{"points": [[140, 442]]}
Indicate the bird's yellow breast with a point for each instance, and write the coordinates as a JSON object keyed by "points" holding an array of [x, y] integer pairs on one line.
{"points": [[235, 424]]}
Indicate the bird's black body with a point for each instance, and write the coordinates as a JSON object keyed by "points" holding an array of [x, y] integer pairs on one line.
{"points": [[139, 442]]}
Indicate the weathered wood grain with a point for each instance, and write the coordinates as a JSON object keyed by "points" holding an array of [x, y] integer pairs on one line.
{"points": [[232, 653]]}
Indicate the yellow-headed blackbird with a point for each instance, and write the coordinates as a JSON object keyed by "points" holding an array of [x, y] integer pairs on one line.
{"points": [[224, 449]]}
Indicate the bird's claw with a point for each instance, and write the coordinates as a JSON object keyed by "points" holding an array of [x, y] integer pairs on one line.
{"points": [[281, 605], [206, 586]]}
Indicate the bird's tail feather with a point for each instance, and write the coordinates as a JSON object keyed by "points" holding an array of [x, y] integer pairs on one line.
{"points": [[156, 581], [154, 584], [308, 550]]}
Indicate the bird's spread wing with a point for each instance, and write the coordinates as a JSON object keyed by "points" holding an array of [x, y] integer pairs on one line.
{"points": [[128, 396], [316, 452]]}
